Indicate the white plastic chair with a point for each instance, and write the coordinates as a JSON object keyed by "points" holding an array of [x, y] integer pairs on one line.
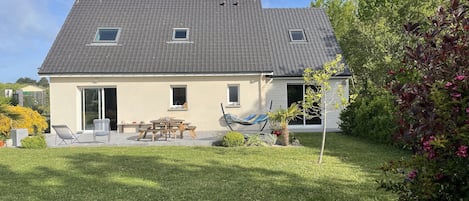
{"points": [[102, 128]]}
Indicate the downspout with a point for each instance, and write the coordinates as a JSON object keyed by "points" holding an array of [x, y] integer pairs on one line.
{"points": [[260, 98]]}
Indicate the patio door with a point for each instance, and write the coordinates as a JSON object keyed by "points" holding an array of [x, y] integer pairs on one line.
{"points": [[295, 94], [98, 103]]}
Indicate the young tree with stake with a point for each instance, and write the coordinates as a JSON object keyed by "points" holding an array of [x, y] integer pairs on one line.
{"points": [[318, 102]]}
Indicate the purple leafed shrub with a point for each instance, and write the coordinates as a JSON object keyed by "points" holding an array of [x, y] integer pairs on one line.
{"points": [[432, 88]]}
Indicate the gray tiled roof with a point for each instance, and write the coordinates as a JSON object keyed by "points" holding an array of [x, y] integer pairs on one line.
{"points": [[223, 39], [291, 58]]}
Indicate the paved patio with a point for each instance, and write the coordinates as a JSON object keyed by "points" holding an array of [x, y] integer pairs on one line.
{"points": [[130, 139]]}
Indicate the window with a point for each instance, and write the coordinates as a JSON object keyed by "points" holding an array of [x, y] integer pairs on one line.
{"points": [[181, 34], [107, 35], [297, 35], [233, 94], [295, 94], [178, 97]]}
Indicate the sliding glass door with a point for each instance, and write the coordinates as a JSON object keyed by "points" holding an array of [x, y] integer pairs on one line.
{"points": [[98, 103], [296, 94]]}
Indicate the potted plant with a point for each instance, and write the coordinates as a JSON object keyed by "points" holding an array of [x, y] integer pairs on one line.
{"points": [[282, 117], [2, 140]]}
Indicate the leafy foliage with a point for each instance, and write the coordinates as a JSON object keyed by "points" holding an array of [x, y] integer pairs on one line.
{"points": [[316, 101], [370, 116], [370, 33], [433, 109], [283, 117], [255, 140], [233, 139], [34, 142], [28, 118], [26, 80]]}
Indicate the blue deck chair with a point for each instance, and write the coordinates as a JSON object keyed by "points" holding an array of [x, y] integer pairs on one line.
{"points": [[251, 119]]}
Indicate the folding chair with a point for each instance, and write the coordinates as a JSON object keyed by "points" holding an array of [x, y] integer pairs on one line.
{"points": [[65, 133]]}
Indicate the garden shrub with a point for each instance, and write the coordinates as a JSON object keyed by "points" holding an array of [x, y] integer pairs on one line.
{"points": [[433, 91], [370, 117], [255, 140], [29, 119], [34, 142], [233, 139]]}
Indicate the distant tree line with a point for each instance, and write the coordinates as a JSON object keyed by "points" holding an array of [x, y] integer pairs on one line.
{"points": [[43, 82]]}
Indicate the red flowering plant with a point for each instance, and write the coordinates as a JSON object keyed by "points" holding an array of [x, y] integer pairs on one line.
{"points": [[432, 90]]}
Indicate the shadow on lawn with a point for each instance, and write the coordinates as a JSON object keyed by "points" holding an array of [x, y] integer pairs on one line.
{"points": [[95, 176], [365, 154]]}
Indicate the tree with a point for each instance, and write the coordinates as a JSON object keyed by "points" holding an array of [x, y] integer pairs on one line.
{"points": [[43, 82], [320, 101], [6, 118], [283, 117], [26, 80], [371, 36], [432, 87]]}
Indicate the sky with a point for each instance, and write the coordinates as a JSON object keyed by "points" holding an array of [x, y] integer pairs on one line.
{"points": [[28, 29]]}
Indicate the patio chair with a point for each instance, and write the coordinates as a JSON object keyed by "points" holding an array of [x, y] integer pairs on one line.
{"points": [[101, 128], [65, 133]]}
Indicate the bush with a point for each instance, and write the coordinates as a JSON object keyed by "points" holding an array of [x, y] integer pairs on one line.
{"points": [[28, 118], [433, 91], [34, 142], [233, 139], [370, 117], [255, 140]]}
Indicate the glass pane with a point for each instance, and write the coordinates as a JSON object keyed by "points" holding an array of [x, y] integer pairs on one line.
{"points": [[91, 107], [180, 34], [295, 95], [110, 107], [179, 95], [315, 120], [107, 35], [233, 96], [297, 36]]}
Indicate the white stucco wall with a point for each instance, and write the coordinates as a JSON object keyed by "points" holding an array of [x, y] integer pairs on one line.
{"points": [[148, 98], [277, 92]]}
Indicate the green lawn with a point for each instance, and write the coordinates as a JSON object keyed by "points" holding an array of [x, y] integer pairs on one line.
{"points": [[349, 172]]}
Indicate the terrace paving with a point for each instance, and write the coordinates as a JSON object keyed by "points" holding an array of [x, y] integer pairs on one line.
{"points": [[130, 139]]}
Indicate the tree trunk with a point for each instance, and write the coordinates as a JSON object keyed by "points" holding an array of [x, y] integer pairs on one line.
{"points": [[321, 153], [285, 134]]}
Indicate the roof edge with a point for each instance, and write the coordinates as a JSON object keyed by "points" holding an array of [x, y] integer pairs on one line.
{"points": [[154, 74]]}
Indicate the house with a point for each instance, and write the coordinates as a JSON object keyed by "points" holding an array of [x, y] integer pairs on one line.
{"points": [[138, 60]]}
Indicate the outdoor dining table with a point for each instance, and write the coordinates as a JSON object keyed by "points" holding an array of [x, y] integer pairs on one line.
{"points": [[168, 126]]}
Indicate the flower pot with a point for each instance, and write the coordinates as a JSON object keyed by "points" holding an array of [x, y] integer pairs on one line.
{"points": [[9, 143], [2, 143]]}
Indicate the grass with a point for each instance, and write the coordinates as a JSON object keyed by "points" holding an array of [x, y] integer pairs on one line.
{"points": [[349, 172]]}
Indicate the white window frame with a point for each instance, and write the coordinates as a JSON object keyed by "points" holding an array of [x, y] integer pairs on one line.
{"points": [[231, 103], [183, 105], [180, 29], [297, 30], [96, 36]]}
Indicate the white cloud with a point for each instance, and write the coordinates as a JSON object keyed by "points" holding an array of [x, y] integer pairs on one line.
{"points": [[27, 30], [24, 22]]}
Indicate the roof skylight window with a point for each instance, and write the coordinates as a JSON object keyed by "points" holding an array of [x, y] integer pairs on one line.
{"points": [[181, 34], [297, 35], [107, 35]]}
